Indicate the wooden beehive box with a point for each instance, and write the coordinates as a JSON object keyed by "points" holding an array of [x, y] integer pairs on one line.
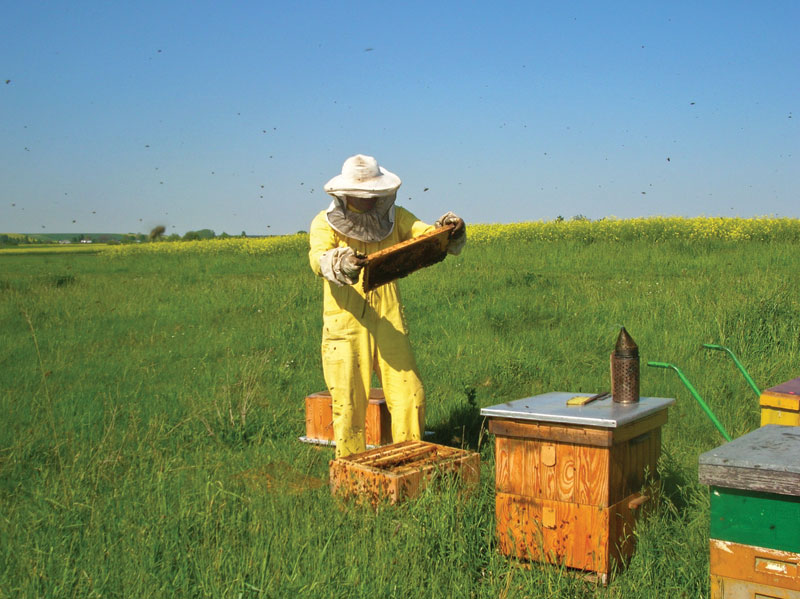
{"points": [[755, 514], [781, 404], [319, 419], [400, 471], [568, 479]]}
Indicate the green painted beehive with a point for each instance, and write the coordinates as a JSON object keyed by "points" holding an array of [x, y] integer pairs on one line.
{"points": [[755, 488], [755, 514]]}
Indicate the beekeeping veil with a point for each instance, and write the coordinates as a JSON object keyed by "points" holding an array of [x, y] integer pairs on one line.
{"points": [[362, 178]]}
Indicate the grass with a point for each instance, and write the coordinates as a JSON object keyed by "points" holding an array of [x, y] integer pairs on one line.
{"points": [[152, 405]]}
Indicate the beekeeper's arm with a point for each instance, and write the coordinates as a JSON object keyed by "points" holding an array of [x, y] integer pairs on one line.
{"points": [[339, 265]]}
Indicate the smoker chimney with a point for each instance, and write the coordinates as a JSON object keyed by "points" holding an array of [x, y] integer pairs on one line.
{"points": [[625, 369]]}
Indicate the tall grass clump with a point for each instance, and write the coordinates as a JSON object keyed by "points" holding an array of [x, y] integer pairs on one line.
{"points": [[153, 399]]}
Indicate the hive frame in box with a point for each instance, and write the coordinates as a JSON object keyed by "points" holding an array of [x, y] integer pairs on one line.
{"points": [[403, 258], [400, 471]]}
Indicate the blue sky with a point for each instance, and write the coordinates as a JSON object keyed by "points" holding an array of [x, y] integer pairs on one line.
{"points": [[119, 116]]}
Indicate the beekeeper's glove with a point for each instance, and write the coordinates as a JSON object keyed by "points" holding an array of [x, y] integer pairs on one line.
{"points": [[341, 266], [351, 264], [458, 236]]}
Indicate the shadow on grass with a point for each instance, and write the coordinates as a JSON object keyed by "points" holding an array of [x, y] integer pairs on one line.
{"points": [[463, 426], [675, 482]]}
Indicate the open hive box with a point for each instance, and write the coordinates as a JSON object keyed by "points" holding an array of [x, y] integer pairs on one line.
{"points": [[400, 471]]}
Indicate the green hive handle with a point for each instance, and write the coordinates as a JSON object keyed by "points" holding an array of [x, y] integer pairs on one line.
{"points": [[736, 361], [696, 395]]}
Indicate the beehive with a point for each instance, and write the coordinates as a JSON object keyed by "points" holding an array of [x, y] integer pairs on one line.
{"points": [[781, 404], [755, 514], [319, 419], [400, 471], [568, 479]]}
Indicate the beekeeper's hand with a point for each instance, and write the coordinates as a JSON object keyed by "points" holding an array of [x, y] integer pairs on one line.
{"points": [[458, 236], [341, 265], [351, 264], [451, 219]]}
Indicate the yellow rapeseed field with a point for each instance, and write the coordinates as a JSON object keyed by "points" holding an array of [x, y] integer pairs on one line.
{"points": [[650, 229], [49, 248], [656, 229]]}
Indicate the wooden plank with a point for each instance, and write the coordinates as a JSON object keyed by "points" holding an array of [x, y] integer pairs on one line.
{"points": [[369, 456], [378, 426], [790, 390], [547, 476], [583, 435], [516, 464], [730, 588], [755, 564], [565, 472], [779, 417], [412, 454], [766, 481], [753, 460], [592, 483], [621, 523], [319, 416], [502, 468], [759, 519], [782, 402], [532, 483]]}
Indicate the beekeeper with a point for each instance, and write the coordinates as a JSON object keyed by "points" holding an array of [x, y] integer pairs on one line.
{"points": [[362, 332]]}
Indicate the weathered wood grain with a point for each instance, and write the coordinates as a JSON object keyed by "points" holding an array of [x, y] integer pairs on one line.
{"points": [[755, 564], [762, 460], [601, 437], [576, 536], [591, 479], [723, 587]]}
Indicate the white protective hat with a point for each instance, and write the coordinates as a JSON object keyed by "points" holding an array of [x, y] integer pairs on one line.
{"points": [[361, 176]]}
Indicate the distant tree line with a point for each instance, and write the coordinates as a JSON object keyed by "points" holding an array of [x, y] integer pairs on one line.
{"points": [[18, 239], [156, 234]]}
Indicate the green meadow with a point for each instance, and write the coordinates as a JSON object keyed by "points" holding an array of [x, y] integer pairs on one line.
{"points": [[152, 403]]}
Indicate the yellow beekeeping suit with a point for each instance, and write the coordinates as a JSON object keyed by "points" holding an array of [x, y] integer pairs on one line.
{"points": [[365, 332]]}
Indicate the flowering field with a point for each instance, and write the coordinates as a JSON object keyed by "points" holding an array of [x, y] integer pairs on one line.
{"points": [[656, 229], [647, 229]]}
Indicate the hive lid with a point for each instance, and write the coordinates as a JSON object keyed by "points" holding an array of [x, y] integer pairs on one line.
{"points": [[764, 460], [552, 407], [786, 395]]}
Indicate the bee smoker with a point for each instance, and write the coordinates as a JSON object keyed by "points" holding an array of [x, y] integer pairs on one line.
{"points": [[625, 369]]}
